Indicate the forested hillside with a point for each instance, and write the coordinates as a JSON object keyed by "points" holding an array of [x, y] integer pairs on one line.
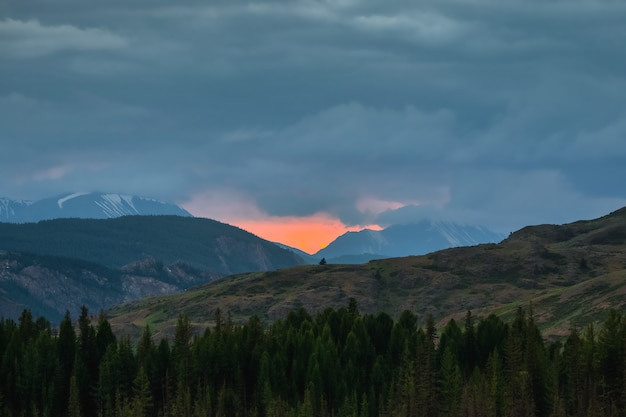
{"points": [[336, 363], [204, 244]]}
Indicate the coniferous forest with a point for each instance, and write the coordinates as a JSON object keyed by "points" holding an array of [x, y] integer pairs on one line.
{"points": [[336, 363]]}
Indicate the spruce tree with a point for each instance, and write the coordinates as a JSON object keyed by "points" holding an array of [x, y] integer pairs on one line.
{"points": [[451, 384], [142, 394], [468, 346], [73, 405], [66, 352]]}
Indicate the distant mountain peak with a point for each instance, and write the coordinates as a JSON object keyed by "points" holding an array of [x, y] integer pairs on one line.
{"points": [[87, 205], [8, 208], [408, 239]]}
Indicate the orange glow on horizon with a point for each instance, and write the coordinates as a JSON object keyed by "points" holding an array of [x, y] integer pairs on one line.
{"points": [[309, 234]]}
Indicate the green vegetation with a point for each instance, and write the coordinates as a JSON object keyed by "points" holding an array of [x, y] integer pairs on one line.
{"points": [[466, 279], [338, 362]]}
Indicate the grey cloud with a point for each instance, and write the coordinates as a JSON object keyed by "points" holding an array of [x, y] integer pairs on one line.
{"points": [[30, 39], [350, 152], [481, 110], [508, 200]]}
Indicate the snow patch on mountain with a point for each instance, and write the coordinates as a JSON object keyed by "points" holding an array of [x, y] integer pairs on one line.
{"points": [[5, 209], [61, 201], [116, 205], [448, 232], [375, 241], [8, 208]]}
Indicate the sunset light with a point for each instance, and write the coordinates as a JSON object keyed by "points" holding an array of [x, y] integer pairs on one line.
{"points": [[309, 234]]}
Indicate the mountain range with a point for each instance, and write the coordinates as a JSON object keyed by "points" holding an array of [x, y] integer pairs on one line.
{"points": [[138, 266], [90, 205], [101, 249], [54, 265], [349, 248]]}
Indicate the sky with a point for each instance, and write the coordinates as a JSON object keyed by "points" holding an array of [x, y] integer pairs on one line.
{"points": [[300, 120]]}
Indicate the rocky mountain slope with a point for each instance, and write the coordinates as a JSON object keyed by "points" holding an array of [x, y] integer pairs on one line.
{"points": [[86, 206], [569, 274], [48, 286]]}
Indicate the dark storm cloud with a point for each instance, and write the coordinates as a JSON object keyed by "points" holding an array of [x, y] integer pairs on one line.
{"points": [[498, 113]]}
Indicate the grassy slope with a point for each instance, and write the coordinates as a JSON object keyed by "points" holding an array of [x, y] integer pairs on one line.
{"points": [[569, 274]]}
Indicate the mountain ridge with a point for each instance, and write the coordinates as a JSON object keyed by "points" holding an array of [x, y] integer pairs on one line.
{"points": [[407, 239], [93, 205], [203, 243]]}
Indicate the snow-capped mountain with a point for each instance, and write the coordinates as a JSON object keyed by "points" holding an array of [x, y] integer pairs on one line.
{"points": [[11, 208], [84, 205], [410, 239]]}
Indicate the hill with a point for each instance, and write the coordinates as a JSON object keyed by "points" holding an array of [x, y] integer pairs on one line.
{"points": [[202, 243], [569, 274]]}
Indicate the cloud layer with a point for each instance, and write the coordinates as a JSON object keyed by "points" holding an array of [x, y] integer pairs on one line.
{"points": [[499, 113]]}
